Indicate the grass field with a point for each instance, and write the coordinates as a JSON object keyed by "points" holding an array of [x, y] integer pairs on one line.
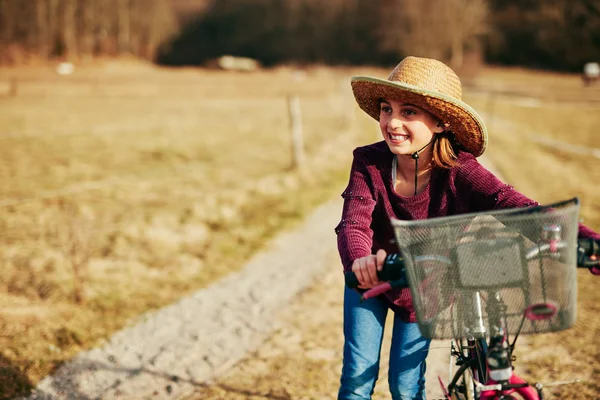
{"points": [[125, 186]]}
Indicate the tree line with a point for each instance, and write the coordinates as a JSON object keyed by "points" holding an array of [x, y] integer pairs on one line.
{"points": [[553, 34], [333, 31], [83, 29]]}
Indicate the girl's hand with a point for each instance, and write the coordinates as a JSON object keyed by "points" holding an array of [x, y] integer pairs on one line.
{"points": [[366, 268]]}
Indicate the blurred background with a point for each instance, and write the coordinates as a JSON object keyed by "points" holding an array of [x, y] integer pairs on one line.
{"points": [[147, 146], [560, 35]]}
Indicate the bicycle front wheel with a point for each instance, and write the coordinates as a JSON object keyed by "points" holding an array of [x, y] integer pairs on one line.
{"points": [[465, 389]]}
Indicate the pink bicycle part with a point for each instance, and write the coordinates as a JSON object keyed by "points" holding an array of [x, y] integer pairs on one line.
{"points": [[540, 311], [376, 291], [527, 392], [446, 394]]}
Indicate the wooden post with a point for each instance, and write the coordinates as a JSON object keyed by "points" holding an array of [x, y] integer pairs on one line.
{"points": [[12, 87], [296, 130]]}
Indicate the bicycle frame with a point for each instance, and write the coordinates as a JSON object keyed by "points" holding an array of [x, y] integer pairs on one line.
{"points": [[493, 389], [473, 359]]}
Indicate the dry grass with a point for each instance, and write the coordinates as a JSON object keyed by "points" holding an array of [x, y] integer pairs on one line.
{"points": [[143, 184], [125, 186]]}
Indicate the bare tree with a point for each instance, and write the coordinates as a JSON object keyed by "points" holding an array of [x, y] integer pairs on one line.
{"points": [[8, 27], [43, 29], [87, 28], [436, 28], [465, 20], [410, 27], [123, 26], [69, 29], [82, 28], [52, 18]]}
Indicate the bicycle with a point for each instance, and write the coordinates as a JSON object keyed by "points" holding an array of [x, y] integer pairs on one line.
{"points": [[475, 278]]}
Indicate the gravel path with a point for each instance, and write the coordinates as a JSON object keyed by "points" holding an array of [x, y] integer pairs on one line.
{"points": [[168, 353], [177, 350], [302, 359]]}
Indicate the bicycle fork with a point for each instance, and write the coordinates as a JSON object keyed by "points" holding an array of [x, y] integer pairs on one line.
{"points": [[476, 344]]}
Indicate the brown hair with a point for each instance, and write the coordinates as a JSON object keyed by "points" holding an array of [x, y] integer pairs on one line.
{"points": [[445, 150]]}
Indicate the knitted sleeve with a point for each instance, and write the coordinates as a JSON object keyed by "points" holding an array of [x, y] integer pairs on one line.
{"points": [[488, 192], [354, 233], [485, 190]]}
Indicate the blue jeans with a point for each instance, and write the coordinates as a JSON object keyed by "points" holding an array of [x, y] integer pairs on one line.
{"points": [[363, 332]]}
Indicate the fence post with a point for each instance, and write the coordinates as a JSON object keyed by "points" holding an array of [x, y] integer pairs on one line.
{"points": [[12, 87], [295, 116]]}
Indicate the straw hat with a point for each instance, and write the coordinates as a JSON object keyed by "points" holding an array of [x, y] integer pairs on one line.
{"points": [[431, 85]]}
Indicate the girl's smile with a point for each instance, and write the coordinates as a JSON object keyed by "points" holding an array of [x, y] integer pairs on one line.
{"points": [[398, 137], [405, 127]]}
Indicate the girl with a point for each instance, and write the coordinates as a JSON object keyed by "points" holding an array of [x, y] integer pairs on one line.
{"points": [[425, 167]]}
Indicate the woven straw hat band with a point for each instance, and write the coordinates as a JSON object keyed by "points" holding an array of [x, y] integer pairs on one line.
{"points": [[427, 74]]}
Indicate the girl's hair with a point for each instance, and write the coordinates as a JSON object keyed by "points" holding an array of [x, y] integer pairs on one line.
{"points": [[445, 150]]}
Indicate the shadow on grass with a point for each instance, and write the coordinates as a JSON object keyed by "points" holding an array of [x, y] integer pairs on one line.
{"points": [[67, 383], [13, 382]]}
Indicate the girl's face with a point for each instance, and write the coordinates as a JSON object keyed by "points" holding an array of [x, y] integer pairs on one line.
{"points": [[405, 127]]}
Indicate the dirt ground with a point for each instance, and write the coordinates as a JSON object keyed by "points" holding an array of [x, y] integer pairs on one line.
{"points": [[302, 360]]}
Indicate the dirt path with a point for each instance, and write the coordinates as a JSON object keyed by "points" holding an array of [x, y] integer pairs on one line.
{"points": [[302, 359]]}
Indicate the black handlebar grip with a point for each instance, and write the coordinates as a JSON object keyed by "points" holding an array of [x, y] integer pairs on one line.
{"points": [[586, 249], [393, 270]]}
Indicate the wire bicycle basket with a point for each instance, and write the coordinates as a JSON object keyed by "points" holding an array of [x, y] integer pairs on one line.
{"points": [[455, 264]]}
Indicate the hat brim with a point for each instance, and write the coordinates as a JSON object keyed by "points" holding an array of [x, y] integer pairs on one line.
{"points": [[464, 122]]}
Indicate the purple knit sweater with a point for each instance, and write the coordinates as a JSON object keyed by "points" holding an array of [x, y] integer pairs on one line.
{"points": [[370, 202]]}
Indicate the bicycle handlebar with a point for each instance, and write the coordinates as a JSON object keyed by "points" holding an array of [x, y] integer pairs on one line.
{"points": [[588, 254], [394, 270]]}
